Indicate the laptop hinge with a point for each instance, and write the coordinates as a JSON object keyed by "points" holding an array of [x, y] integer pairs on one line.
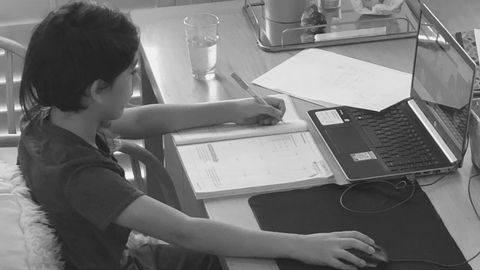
{"points": [[433, 132]]}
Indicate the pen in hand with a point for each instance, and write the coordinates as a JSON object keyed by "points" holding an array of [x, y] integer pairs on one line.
{"points": [[247, 88]]}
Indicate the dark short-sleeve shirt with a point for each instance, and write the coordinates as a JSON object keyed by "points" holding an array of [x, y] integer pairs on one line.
{"points": [[82, 189]]}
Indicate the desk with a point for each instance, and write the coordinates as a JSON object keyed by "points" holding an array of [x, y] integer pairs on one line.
{"points": [[167, 70]]}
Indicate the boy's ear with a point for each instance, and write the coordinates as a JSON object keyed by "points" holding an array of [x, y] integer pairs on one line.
{"points": [[95, 90]]}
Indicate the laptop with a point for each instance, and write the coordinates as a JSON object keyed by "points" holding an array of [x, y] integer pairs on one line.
{"points": [[422, 135]]}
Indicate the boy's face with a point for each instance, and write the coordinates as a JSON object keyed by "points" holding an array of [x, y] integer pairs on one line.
{"points": [[121, 91]]}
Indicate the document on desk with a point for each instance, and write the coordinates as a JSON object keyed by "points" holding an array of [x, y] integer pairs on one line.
{"points": [[265, 163], [231, 159], [331, 79]]}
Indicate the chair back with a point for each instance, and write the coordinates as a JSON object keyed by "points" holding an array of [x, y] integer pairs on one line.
{"points": [[157, 184], [11, 48]]}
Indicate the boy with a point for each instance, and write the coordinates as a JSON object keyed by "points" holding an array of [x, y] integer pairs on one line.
{"points": [[77, 80]]}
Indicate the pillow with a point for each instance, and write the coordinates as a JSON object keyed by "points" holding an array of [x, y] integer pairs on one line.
{"points": [[27, 242]]}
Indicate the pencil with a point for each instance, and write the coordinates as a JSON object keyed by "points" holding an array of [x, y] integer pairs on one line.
{"points": [[247, 88]]}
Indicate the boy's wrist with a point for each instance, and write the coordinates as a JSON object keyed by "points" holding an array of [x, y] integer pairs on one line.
{"points": [[294, 246], [233, 110]]}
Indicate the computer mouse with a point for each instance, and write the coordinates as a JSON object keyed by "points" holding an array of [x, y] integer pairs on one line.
{"points": [[377, 260]]}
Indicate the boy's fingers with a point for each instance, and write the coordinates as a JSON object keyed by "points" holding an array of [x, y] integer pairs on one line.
{"points": [[357, 235], [277, 103], [273, 112], [351, 260]]}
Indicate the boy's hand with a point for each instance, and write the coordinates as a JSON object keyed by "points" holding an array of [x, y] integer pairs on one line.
{"points": [[248, 111], [331, 249]]}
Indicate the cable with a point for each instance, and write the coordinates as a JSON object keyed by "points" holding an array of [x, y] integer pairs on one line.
{"points": [[441, 177], [470, 193], [433, 262], [399, 185]]}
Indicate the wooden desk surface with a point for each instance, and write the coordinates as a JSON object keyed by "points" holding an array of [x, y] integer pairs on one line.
{"points": [[166, 63]]}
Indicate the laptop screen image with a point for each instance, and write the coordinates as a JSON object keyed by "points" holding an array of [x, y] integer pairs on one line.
{"points": [[442, 83]]}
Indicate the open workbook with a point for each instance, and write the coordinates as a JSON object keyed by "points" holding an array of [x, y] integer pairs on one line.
{"points": [[230, 159]]}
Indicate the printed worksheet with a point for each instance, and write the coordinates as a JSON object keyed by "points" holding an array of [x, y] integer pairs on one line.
{"points": [[254, 164]]}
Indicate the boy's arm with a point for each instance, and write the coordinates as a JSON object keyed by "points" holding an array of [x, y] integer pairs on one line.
{"points": [[158, 119], [153, 218]]}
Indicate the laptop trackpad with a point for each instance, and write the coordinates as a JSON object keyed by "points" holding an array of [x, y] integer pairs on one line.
{"points": [[347, 139]]}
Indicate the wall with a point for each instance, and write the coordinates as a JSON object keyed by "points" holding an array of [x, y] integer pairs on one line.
{"points": [[14, 12]]}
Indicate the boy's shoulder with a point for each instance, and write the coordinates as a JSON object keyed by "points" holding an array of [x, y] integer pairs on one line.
{"points": [[53, 145]]}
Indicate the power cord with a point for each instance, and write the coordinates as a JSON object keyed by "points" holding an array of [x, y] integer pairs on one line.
{"points": [[435, 263], [441, 177]]}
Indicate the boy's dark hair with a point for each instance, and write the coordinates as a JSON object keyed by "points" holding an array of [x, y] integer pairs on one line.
{"points": [[69, 50]]}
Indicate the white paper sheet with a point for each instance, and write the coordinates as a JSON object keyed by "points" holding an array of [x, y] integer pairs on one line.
{"points": [[330, 78]]}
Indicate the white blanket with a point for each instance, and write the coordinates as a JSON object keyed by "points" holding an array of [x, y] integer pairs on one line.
{"points": [[26, 240]]}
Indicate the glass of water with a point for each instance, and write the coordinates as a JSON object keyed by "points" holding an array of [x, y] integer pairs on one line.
{"points": [[201, 32]]}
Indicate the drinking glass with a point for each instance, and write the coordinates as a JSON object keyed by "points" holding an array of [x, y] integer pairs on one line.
{"points": [[201, 32]]}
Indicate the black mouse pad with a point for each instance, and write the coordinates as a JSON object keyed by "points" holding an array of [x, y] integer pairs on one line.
{"points": [[412, 230]]}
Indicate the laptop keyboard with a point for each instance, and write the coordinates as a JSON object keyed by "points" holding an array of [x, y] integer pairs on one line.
{"points": [[395, 139]]}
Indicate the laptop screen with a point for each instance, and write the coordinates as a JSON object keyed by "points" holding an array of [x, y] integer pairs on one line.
{"points": [[442, 82]]}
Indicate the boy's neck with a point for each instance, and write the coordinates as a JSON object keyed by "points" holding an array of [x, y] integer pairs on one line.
{"points": [[82, 123]]}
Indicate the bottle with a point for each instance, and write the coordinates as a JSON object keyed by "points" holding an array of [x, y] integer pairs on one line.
{"points": [[281, 15]]}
